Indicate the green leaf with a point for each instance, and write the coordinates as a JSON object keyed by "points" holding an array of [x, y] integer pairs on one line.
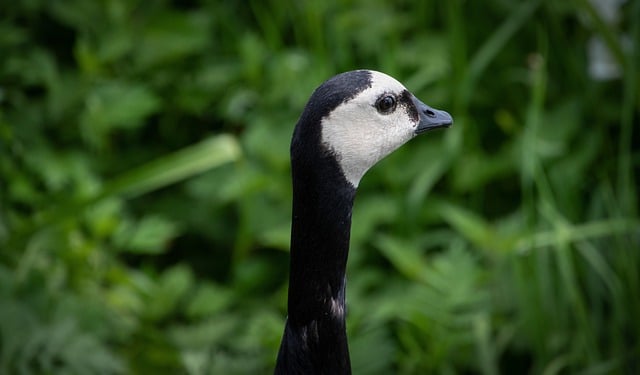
{"points": [[170, 36], [171, 289], [174, 167], [403, 254], [149, 236], [209, 300], [372, 351], [471, 225], [118, 105], [180, 165]]}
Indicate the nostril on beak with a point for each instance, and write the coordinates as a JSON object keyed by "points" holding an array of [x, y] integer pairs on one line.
{"points": [[430, 113]]}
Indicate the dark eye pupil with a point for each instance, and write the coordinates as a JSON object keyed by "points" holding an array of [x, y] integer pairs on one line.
{"points": [[386, 104]]}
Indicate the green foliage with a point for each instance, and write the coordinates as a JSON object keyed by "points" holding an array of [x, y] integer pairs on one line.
{"points": [[145, 190]]}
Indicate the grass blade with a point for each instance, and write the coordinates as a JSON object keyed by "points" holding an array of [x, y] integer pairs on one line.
{"points": [[164, 171], [175, 167], [496, 43]]}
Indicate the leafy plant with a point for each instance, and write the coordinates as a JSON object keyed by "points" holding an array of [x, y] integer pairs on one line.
{"points": [[145, 190]]}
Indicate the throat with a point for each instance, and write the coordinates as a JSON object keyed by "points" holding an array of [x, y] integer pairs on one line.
{"points": [[315, 333], [320, 233]]}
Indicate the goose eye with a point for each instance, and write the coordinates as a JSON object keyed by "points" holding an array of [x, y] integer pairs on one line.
{"points": [[386, 104]]}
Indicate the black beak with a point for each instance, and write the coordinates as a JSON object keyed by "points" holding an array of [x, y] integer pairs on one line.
{"points": [[431, 118]]}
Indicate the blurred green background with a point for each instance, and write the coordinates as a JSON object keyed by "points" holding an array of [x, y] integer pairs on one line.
{"points": [[145, 189]]}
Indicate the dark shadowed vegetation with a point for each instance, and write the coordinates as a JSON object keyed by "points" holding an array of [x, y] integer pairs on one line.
{"points": [[145, 190]]}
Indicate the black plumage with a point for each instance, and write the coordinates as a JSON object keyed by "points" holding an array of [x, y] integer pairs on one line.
{"points": [[314, 339]]}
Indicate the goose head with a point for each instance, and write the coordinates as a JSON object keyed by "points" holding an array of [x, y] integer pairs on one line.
{"points": [[358, 118]]}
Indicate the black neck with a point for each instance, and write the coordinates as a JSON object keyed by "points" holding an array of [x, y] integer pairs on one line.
{"points": [[315, 340]]}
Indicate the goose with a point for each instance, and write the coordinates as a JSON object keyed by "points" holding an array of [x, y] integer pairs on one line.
{"points": [[350, 122]]}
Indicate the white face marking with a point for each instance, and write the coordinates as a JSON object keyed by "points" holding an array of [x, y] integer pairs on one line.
{"points": [[359, 135]]}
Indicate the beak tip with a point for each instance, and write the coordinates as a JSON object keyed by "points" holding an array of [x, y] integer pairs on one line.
{"points": [[431, 118], [441, 120]]}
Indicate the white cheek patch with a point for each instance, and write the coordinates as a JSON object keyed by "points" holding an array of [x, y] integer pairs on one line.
{"points": [[359, 135]]}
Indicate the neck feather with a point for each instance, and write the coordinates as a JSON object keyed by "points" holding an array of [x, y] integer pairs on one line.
{"points": [[315, 338]]}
